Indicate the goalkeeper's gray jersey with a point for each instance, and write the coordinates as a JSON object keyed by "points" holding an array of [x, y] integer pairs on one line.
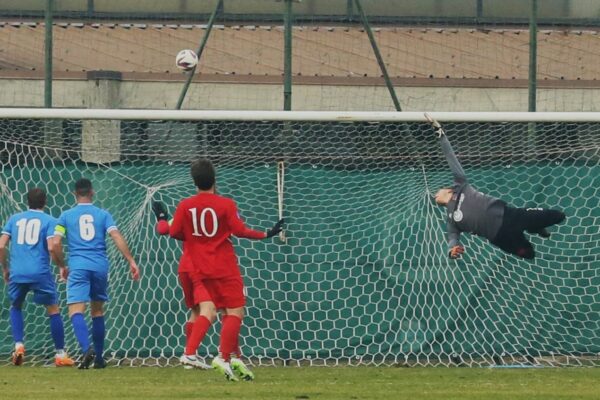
{"points": [[469, 210]]}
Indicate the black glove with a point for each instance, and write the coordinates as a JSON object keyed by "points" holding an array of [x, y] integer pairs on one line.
{"points": [[276, 229], [160, 211]]}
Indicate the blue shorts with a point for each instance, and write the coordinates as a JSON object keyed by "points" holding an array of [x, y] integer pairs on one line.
{"points": [[84, 286], [44, 291]]}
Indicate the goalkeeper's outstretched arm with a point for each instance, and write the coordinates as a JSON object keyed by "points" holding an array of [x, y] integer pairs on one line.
{"points": [[455, 167], [448, 195]]}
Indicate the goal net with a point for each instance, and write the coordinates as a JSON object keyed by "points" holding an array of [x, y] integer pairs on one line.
{"points": [[362, 274]]}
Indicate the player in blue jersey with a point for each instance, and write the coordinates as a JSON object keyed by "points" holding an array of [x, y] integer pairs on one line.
{"points": [[85, 227], [30, 236]]}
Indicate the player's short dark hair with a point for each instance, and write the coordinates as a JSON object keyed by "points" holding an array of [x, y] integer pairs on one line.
{"points": [[203, 174], [36, 198], [83, 187]]}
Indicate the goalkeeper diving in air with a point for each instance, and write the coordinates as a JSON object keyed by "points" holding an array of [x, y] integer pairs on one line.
{"points": [[469, 210]]}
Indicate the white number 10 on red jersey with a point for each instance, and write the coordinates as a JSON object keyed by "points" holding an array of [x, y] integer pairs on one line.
{"points": [[203, 231]]}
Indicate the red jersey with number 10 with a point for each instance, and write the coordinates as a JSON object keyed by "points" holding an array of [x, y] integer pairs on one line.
{"points": [[205, 222]]}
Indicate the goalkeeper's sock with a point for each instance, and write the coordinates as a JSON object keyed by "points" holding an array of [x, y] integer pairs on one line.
{"points": [[189, 327], [81, 331], [98, 333], [57, 330], [201, 326], [230, 333], [17, 324]]}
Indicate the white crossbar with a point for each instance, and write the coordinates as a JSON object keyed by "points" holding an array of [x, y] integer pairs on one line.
{"points": [[323, 116]]}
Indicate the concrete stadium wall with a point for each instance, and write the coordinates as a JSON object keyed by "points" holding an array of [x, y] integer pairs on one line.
{"points": [[164, 95]]}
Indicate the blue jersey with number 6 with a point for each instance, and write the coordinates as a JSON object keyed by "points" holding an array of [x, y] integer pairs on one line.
{"points": [[85, 227], [29, 232]]}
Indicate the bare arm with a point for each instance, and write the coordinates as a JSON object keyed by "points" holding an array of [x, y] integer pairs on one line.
{"points": [[124, 249], [58, 256], [3, 256], [56, 251]]}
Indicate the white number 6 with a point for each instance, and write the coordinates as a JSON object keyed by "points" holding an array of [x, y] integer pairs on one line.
{"points": [[86, 227]]}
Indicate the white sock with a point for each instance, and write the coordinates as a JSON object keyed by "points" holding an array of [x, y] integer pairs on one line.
{"points": [[18, 344], [60, 353]]}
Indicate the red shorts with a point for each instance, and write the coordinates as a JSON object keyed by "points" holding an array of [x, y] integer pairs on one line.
{"points": [[187, 284], [224, 293]]}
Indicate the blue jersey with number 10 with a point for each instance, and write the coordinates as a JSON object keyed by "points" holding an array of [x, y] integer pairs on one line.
{"points": [[29, 232], [85, 227]]}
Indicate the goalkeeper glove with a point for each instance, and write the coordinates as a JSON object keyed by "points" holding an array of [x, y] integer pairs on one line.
{"points": [[276, 229], [456, 251], [435, 125], [160, 211]]}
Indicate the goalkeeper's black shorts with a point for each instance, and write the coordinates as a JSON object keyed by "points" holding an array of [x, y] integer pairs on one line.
{"points": [[511, 237]]}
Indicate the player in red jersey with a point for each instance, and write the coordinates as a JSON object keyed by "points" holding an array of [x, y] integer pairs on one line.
{"points": [[205, 222], [186, 273]]}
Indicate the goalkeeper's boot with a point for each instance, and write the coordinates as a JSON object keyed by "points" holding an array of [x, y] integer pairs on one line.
{"points": [[542, 232], [18, 355], [63, 360], [87, 359], [193, 362], [242, 370], [224, 368]]}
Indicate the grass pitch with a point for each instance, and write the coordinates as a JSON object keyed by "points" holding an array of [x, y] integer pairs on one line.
{"points": [[301, 383]]}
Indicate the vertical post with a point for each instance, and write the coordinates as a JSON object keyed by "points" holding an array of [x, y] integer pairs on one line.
{"points": [[350, 11], [287, 56], [48, 55], [479, 9], [90, 8], [386, 77], [286, 128], [101, 139], [532, 107], [533, 55], [566, 9], [201, 47]]}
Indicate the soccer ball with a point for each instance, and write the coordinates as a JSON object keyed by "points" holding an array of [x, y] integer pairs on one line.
{"points": [[186, 60]]}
